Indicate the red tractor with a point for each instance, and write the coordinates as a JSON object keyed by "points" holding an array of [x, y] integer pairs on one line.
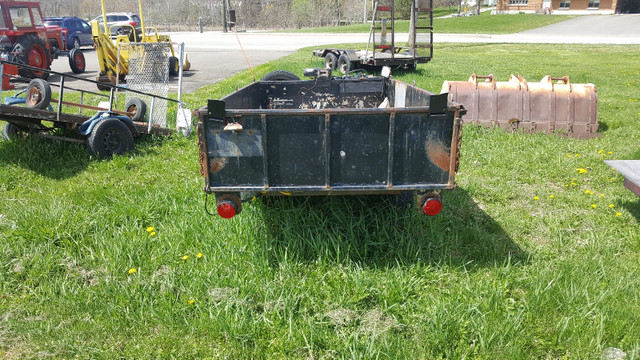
{"points": [[25, 40]]}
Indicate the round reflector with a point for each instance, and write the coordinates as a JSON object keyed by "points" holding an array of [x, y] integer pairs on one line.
{"points": [[432, 206], [226, 209]]}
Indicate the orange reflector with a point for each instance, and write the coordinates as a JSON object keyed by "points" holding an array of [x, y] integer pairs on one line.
{"points": [[432, 206], [226, 209]]}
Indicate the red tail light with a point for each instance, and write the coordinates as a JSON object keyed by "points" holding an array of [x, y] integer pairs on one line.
{"points": [[432, 206], [133, 23], [227, 209]]}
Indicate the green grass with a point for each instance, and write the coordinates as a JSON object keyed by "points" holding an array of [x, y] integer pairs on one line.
{"points": [[497, 275], [485, 23]]}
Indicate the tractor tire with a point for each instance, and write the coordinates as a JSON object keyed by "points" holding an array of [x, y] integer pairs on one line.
{"points": [[137, 107], [331, 61], [109, 137], [280, 75], [12, 132], [32, 51], [174, 66], [344, 64], [38, 95], [76, 61]]}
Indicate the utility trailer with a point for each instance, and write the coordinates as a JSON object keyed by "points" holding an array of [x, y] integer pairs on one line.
{"points": [[329, 136], [107, 132], [383, 49]]}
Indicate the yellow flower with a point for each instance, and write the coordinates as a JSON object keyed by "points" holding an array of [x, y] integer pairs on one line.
{"points": [[551, 196], [610, 153], [574, 184], [152, 233], [581, 170], [601, 195], [611, 205], [593, 206], [588, 192], [600, 151], [185, 257], [618, 214], [199, 255], [191, 301], [535, 198], [611, 179], [150, 229], [132, 270]]}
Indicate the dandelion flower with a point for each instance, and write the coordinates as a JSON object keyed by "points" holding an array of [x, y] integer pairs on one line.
{"points": [[601, 195], [600, 151], [618, 213], [150, 229], [611, 179], [593, 206], [588, 192], [132, 270], [551, 196], [581, 170], [191, 301], [185, 257], [199, 255], [152, 233], [611, 205], [574, 184], [535, 198], [610, 153]]}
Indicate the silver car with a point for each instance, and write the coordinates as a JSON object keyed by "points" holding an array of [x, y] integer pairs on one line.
{"points": [[120, 23]]}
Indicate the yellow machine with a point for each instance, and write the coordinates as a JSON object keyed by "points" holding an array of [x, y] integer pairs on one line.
{"points": [[114, 65]]}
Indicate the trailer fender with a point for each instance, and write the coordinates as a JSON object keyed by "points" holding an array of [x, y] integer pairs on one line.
{"points": [[87, 127]]}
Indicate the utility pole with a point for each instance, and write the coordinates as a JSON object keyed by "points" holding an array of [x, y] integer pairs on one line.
{"points": [[365, 12], [224, 16]]}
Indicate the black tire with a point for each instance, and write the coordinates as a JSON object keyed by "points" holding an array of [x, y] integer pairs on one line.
{"points": [[110, 136], [174, 66], [77, 62], [331, 61], [344, 64], [38, 95], [76, 43], [280, 75], [11, 132], [30, 50], [138, 107]]}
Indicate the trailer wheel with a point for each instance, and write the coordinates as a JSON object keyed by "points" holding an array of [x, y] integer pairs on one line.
{"points": [[76, 60], [137, 107], [174, 66], [38, 95], [110, 136], [331, 61], [32, 51], [280, 75], [344, 64], [11, 131]]}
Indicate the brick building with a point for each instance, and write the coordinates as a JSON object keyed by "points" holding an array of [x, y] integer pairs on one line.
{"points": [[582, 6]]}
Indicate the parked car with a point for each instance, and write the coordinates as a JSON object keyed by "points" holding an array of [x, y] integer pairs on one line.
{"points": [[120, 23], [78, 30]]}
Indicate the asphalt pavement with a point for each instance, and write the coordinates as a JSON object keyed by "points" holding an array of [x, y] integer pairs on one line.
{"points": [[217, 55]]}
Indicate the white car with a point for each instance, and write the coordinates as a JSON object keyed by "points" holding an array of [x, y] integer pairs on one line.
{"points": [[120, 23]]}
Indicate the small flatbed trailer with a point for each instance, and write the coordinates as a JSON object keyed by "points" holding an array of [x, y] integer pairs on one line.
{"points": [[383, 49], [329, 136], [630, 169], [107, 132]]}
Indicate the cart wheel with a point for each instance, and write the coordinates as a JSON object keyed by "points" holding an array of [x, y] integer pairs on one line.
{"points": [[137, 107], [174, 66], [280, 75], [344, 64], [110, 136], [76, 61], [38, 94], [11, 132], [331, 61]]}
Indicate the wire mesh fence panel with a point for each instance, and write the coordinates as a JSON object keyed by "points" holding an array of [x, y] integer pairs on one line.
{"points": [[149, 73]]}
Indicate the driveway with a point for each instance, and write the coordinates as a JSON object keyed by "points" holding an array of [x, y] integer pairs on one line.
{"points": [[216, 55]]}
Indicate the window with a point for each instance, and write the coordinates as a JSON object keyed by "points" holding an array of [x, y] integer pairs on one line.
{"points": [[594, 4], [565, 4], [20, 17], [518, 2]]}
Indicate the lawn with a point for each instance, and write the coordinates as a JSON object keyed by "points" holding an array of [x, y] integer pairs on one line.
{"points": [[536, 255], [485, 23]]}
